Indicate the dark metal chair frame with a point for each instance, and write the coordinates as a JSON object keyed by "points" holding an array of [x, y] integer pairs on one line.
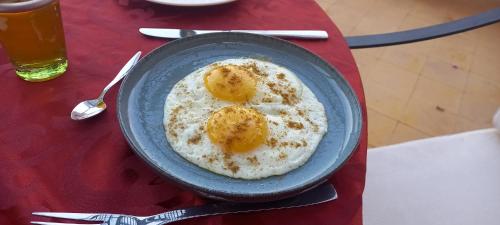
{"points": [[425, 33]]}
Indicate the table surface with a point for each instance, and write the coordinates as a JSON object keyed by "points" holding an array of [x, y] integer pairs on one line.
{"points": [[51, 163]]}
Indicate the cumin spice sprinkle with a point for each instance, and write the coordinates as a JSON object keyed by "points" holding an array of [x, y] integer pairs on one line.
{"points": [[314, 126], [295, 125], [253, 160], [288, 94], [172, 123], [272, 142], [253, 68], [225, 71], [229, 163], [267, 100], [282, 156], [233, 167], [295, 144], [234, 80], [227, 155], [194, 140], [210, 158]]}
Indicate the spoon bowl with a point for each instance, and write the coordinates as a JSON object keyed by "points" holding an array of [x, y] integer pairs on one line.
{"points": [[91, 108], [87, 109]]}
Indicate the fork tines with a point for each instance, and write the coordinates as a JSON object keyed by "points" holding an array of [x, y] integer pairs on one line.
{"points": [[72, 216], [52, 223]]}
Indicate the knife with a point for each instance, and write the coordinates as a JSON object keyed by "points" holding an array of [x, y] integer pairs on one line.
{"points": [[180, 33], [321, 194]]}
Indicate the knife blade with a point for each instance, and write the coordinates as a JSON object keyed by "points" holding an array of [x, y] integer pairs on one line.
{"points": [[321, 194], [180, 33]]}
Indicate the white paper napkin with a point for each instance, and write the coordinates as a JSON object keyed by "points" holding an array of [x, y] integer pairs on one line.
{"points": [[496, 120], [448, 180]]}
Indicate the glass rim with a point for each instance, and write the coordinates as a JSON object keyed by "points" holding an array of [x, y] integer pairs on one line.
{"points": [[23, 6]]}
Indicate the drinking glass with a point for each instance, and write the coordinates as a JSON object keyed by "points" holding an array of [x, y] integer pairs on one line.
{"points": [[32, 35]]}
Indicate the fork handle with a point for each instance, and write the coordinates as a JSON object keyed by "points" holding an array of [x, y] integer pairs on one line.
{"points": [[323, 193]]}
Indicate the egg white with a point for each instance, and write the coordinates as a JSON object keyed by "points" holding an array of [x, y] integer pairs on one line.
{"points": [[189, 105]]}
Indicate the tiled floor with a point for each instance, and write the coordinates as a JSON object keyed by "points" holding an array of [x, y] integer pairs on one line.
{"points": [[429, 88]]}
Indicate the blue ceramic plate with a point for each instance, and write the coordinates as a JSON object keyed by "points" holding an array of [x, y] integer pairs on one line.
{"points": [[142, 96]]}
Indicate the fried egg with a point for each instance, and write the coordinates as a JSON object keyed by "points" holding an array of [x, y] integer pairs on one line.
{"points": [[244, 118]]}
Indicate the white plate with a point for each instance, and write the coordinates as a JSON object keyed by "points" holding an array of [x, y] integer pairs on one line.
{"points": [[191, 2]]}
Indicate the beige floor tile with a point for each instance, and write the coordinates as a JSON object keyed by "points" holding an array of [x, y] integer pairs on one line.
{"points": [[377, 52], [489, 36], [399, 81], [388, 10], [403, 133], [429, 119], [488, 68], [420, 48], [380, 128], [433, 19], [430, 9], [468, 125], [459, 42], [477, 86], [369, 52], [478, 108], [464, 8], [365, 62], [364, 72], [454, 55], [384, 100], [381, 18], [472, 34], [404, 58], [349, 32], [444, 72], [406, 5], [346, 20], [345, 5], [412, 21], [370, 25], [325, 4], [358, 5], [490, 52], [442, 96], [487, 5], [365, 57]]}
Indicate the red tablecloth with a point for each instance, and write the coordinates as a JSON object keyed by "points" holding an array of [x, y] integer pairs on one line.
{"points": [[51, 163]]}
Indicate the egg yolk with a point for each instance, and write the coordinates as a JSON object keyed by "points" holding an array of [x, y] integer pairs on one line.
{"points": [[231, 83], [237, 129]]}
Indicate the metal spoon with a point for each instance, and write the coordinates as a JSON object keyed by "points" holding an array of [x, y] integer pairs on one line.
{"points": [[90, 108]]}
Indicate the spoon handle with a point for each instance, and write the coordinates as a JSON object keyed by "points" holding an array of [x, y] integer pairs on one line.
{"points": [[123, 72]]}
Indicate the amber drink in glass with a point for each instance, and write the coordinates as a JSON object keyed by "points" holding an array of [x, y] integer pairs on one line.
{"points": [[31, 33]]}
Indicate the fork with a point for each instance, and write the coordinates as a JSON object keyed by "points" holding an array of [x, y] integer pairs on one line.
{"points": [[324, 193]]}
